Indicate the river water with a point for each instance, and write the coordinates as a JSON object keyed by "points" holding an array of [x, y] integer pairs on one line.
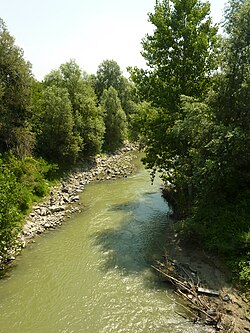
{"points": [[93, 274]]}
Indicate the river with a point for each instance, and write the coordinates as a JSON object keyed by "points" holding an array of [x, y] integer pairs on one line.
{"points": [[93, 274]]}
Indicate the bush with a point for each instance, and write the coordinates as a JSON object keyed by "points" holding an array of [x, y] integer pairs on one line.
{"points": [[21, 183], [244, 272], [10, 208], [34, 176], [223, 228]]}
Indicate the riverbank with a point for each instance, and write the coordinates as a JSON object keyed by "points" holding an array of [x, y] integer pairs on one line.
{"points": [[63, 200], [213, 275]]}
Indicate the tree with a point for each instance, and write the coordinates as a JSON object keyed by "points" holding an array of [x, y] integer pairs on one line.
{"points": [[229, 101], [233, 90], [56, 139], [217, 156], [88, 118], [180, 54], [108, 75], [115, 120], [15, 91], [128, 97]]}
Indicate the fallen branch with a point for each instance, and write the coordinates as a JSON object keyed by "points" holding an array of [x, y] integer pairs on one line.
{"points": [[187, 284], [172, 279], [209, 292]]}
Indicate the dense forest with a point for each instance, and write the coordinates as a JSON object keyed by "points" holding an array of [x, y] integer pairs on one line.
{"points": [[188, 110]]}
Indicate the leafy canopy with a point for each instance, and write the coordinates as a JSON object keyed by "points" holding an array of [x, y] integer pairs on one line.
{"points": [[15, 89], [180, 55], [115, 120], [88, 118], [56, 139]]}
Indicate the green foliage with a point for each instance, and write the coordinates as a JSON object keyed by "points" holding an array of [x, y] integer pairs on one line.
{"points": [[138, 122], [108, 75], [233, 87], [180, 54], [15, 92], [23, 141], [10, 214], [115, 120], [222, 227], [243, 270], [90, 125], [22, 181], [88, 122], [34, 175], [56, 139]]}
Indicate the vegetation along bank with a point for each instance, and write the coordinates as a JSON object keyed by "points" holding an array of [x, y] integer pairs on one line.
{"points": [[189, 110]]}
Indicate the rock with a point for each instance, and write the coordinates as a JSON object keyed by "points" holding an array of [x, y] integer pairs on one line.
{"points": [[44, 212], [11, 258], [55, 209], [75, 198], [226, 298]]}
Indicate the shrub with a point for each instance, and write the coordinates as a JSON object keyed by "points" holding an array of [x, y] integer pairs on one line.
{"points": [[10, 208]]}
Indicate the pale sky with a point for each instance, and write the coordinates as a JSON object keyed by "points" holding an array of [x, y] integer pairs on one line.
{"points": [[52, 32]]}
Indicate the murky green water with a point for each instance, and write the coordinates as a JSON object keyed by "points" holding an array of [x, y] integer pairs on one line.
{"points": [[93, 274]]}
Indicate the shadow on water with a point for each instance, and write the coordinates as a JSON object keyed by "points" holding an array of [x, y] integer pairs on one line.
{"points": [[139, 238]]}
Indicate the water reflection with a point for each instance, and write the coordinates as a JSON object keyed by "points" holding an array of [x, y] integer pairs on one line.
{"points": [[139, 238]]}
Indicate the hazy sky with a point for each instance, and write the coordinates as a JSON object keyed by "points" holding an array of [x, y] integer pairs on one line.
{"points": [[53, 31]]}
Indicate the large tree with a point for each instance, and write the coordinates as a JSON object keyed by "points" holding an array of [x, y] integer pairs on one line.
{"points": [[180, 54], [233, 91], [108, 75], [56, 139], [230, 102], [115, 119], [218, 136], [88, 118], [15, 91]]}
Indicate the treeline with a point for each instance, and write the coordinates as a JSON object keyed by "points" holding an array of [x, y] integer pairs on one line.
{"points": [[47, 127], [195, 122]]}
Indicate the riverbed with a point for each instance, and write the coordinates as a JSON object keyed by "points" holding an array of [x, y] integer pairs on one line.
{"points": [[93, 274]]}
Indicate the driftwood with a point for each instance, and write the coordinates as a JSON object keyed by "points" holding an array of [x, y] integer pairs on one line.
{"points": [[208, 292], [199, 299]]}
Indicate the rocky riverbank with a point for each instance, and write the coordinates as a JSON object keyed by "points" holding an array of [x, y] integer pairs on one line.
{"points": [[64, 198]]}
